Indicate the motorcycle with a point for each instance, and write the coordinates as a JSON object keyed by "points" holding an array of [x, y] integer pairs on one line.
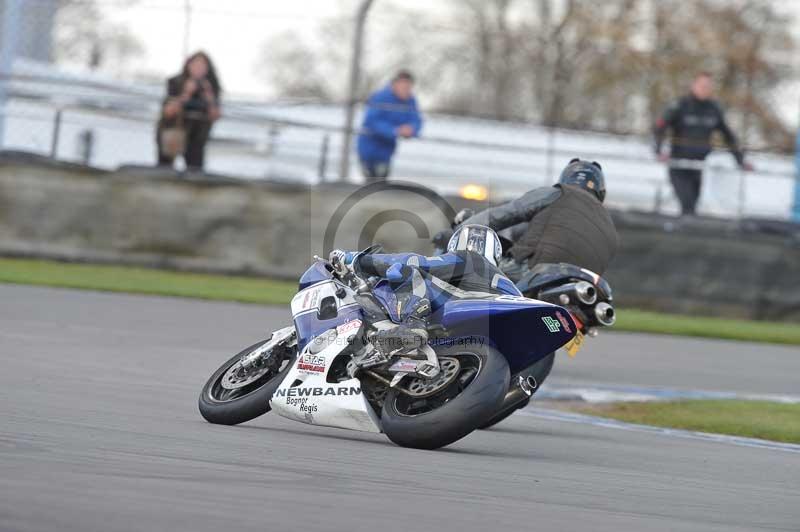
{"points": [[587, 298], [331, 369], [585, 295]]}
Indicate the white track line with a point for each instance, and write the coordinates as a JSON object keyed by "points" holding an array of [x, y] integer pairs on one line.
{"points": [[570, 417], [558, 391]]}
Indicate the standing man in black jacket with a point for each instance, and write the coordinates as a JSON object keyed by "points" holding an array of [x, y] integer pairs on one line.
{"points": [[692, 119]]}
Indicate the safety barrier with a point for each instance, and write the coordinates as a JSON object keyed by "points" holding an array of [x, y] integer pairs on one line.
{"points": [[215, 223]]}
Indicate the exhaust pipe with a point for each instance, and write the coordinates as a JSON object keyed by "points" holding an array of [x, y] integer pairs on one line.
{"points": [[582, 291], [521, 388], [605, 314], [527, 384], [586, 292]]}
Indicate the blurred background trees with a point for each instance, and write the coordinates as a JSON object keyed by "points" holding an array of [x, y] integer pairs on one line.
{"points": [[604, 66], [84, 37]]}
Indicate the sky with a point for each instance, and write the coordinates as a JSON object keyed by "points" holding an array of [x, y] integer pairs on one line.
{"points": [[233, 32]]}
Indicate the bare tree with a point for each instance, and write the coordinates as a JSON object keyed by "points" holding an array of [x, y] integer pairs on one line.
{"points": [[741, 43], [83, 36], [608, 66], [292, 68]]}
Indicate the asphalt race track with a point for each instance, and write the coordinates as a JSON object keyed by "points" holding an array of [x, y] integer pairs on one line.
{"points": [[685, 363], [99, 431]]}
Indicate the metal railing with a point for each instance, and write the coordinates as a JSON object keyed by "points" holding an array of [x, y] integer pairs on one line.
{"points": [[252, 132]]}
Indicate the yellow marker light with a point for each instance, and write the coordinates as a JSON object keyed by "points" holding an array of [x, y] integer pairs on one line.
{"points": [[474, 192]]}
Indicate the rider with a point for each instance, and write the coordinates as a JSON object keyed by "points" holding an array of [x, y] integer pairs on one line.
{"points": [[469, 268], [470, 263], [565, 223]]}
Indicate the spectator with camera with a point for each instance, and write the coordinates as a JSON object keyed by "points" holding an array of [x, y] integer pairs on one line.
{"points": [[191, 107]]}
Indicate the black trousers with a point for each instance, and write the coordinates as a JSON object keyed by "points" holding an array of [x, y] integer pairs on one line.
{"points": [[197, 132], [686, 183], [375, 170]]}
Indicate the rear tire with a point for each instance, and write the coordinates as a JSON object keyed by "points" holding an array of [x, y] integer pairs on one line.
{"points": [[457, 416], [248, 406]]}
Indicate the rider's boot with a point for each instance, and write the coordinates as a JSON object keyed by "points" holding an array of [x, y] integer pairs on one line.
{"points": [[399, 339]]}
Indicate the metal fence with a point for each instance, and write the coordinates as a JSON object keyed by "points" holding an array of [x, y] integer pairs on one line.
{"points": [[107, 125], [98, 120]]}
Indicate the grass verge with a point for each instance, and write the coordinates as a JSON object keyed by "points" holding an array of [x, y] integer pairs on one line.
{"points": [[267, 291], [729, 329], [146, 281], [753, 419]]}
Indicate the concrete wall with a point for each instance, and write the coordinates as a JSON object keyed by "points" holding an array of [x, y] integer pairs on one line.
{"points": [[147, 217], [712, 268]]}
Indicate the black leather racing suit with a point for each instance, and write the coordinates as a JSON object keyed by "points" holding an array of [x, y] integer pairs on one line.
{"points": [[555, 224]]}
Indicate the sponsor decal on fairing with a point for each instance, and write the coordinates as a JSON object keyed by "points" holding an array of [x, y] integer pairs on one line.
{"points": [[564, 322], [310, 299], [317, 391], [352, 325], [311, 364], [552, 325]]}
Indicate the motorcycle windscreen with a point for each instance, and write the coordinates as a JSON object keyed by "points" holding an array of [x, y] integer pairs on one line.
{"points": [[524, 330], [316, 273]]}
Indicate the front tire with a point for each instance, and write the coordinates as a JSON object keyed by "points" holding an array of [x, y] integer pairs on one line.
{"points": [[230, 406], [458, 409]]}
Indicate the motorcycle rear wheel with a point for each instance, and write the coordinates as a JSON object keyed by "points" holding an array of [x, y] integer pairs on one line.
{"points": [[232, 405], [455, 411]]}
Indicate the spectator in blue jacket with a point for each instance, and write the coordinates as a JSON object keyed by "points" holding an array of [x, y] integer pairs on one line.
{"points": [[391, 112]]}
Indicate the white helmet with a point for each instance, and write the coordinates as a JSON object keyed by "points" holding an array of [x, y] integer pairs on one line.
{"points": [[479, 239]]}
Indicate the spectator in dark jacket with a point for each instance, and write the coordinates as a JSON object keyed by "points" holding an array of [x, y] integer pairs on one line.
{"points": [[193, 105], [692, 119], [391, 113]]}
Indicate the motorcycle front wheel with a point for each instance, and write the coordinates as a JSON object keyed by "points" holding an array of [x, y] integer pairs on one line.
{"points": [[476, 379], [240, 390]]}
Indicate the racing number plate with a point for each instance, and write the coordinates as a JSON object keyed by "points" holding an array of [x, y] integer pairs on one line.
{"points": [[574, 345]]}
